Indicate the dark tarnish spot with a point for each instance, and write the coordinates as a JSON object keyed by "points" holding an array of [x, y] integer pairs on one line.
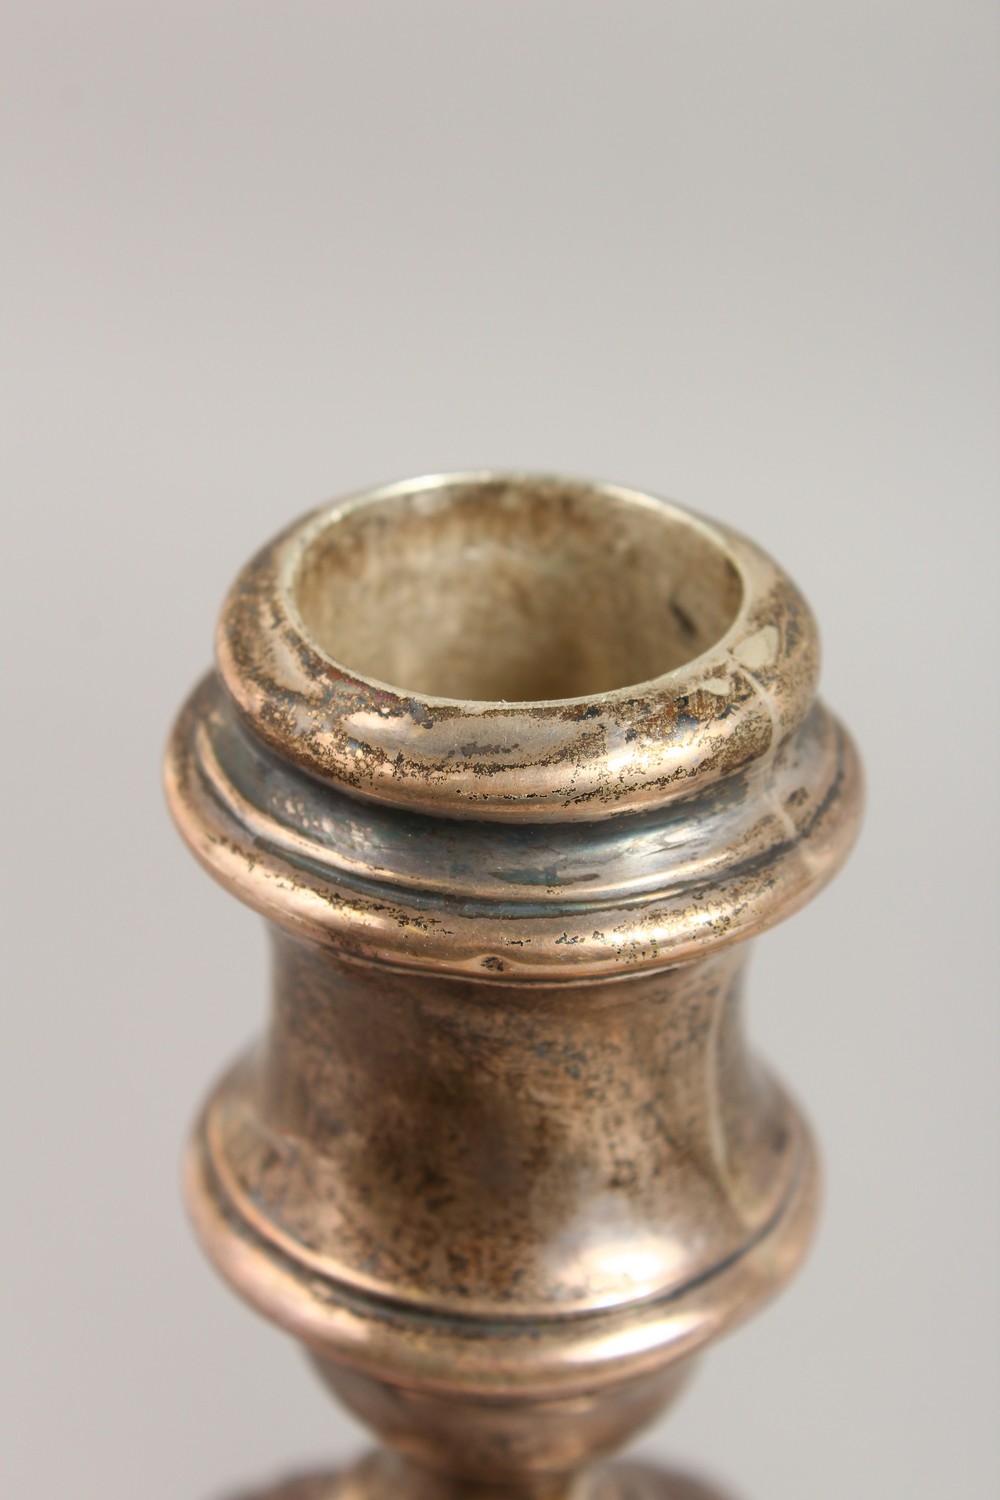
{"points": [[420, 713], [686, 721], [683, 619], [470, 749]]}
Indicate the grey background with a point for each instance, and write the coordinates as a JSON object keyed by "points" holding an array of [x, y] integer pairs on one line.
{"points": [[259, 254]]}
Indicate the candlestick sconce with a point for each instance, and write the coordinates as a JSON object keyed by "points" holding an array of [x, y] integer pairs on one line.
{"points": [[514, 767]]}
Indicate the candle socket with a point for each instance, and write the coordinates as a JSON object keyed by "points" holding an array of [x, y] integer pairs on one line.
{"points": [[513, 766]]}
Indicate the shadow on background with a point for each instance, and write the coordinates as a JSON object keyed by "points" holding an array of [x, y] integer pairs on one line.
{"points": [[624, 1481]]}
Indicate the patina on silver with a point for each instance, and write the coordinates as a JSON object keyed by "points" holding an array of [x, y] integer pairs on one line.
{"points": [[513, 765]]}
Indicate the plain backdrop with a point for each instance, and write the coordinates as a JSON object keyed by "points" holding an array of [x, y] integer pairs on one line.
{"points": [[258, 254]]}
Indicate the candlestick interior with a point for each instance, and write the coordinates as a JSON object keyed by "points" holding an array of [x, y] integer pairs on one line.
{"points": [[515, 590]]}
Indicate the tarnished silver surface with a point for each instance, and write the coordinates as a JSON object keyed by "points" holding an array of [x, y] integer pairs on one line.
{"points": [[512, 765]]}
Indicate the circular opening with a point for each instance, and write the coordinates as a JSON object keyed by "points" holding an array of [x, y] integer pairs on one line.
{"points": [[514, 590]]}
